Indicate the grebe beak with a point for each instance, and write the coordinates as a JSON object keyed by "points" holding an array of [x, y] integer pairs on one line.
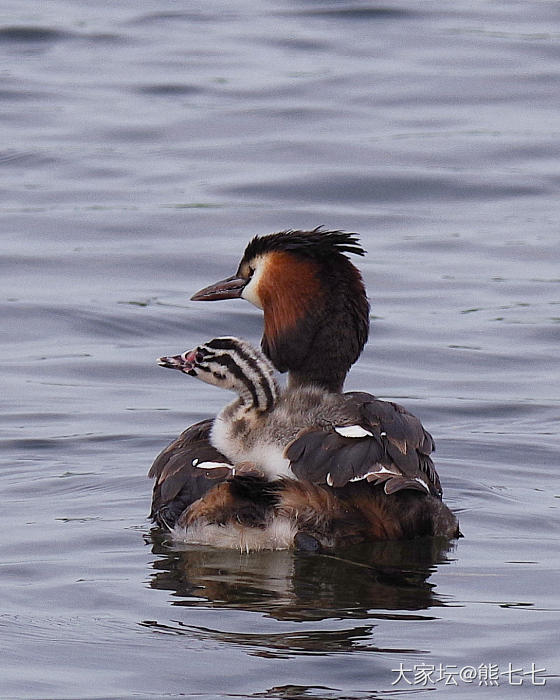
{"points": [[230, 288]]}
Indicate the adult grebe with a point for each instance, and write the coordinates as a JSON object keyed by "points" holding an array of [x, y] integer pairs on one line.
{"points": [[316, 324]]}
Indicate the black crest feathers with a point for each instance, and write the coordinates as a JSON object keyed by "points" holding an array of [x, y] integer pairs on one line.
{"points": [[317, 243]]}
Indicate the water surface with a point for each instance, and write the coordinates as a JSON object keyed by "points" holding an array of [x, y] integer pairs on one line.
{"points": [[143, 144]]}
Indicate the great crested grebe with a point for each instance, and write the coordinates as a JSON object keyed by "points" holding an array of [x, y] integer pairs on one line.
{"points": [[316, 320]]}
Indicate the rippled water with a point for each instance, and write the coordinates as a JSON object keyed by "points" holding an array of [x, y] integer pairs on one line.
{"points": [[142, 145]]}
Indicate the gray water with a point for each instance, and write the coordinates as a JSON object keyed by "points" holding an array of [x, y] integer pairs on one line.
{"points": [[142, 144]]}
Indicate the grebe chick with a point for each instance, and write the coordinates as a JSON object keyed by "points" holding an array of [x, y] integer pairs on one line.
{"points": [[318, 436]]}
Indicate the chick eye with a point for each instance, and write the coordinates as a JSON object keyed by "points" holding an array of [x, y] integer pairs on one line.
{"points": [[199, 357]]}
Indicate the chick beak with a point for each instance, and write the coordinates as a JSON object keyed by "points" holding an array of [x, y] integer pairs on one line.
{"points": [[230, 288], [184, 362]]}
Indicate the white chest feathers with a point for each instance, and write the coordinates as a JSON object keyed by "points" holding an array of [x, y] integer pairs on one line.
{"points": [[243, 441]]}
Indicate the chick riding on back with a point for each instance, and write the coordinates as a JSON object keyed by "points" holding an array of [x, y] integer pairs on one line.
{"points": [[373, 468], [306, 431]]}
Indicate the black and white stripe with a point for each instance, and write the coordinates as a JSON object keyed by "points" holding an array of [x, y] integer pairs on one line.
{"points": [[249, 367]]}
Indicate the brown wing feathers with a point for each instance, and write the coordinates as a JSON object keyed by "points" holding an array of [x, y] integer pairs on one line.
{"points": [[395, 451], [179, 482], [327, 457]]}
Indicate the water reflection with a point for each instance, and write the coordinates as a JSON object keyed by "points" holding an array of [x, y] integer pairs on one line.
{"points": [[386, 576], [282, 645], [316, 692]]}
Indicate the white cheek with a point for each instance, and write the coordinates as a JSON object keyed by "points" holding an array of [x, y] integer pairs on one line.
{"points": [[250, 291]]}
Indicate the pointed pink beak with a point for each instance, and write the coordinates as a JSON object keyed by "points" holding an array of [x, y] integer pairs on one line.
{"points": [[184, 363]]}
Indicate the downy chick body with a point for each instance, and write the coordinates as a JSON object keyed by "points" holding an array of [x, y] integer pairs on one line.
{"points": [[258, 425]]}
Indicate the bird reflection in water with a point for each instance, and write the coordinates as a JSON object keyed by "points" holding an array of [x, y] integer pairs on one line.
{"points": [[286, 585]]}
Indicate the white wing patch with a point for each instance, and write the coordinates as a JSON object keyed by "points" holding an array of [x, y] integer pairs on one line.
{"points": [[421, 481], [379, 470], [353, 431], [211, 465]]}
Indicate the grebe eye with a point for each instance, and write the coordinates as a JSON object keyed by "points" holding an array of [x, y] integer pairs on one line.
{"points": [[199, 357], [251, 272]]}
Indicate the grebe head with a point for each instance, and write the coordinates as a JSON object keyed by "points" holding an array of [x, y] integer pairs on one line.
{"points": [[316, 314], [233, 364]]}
